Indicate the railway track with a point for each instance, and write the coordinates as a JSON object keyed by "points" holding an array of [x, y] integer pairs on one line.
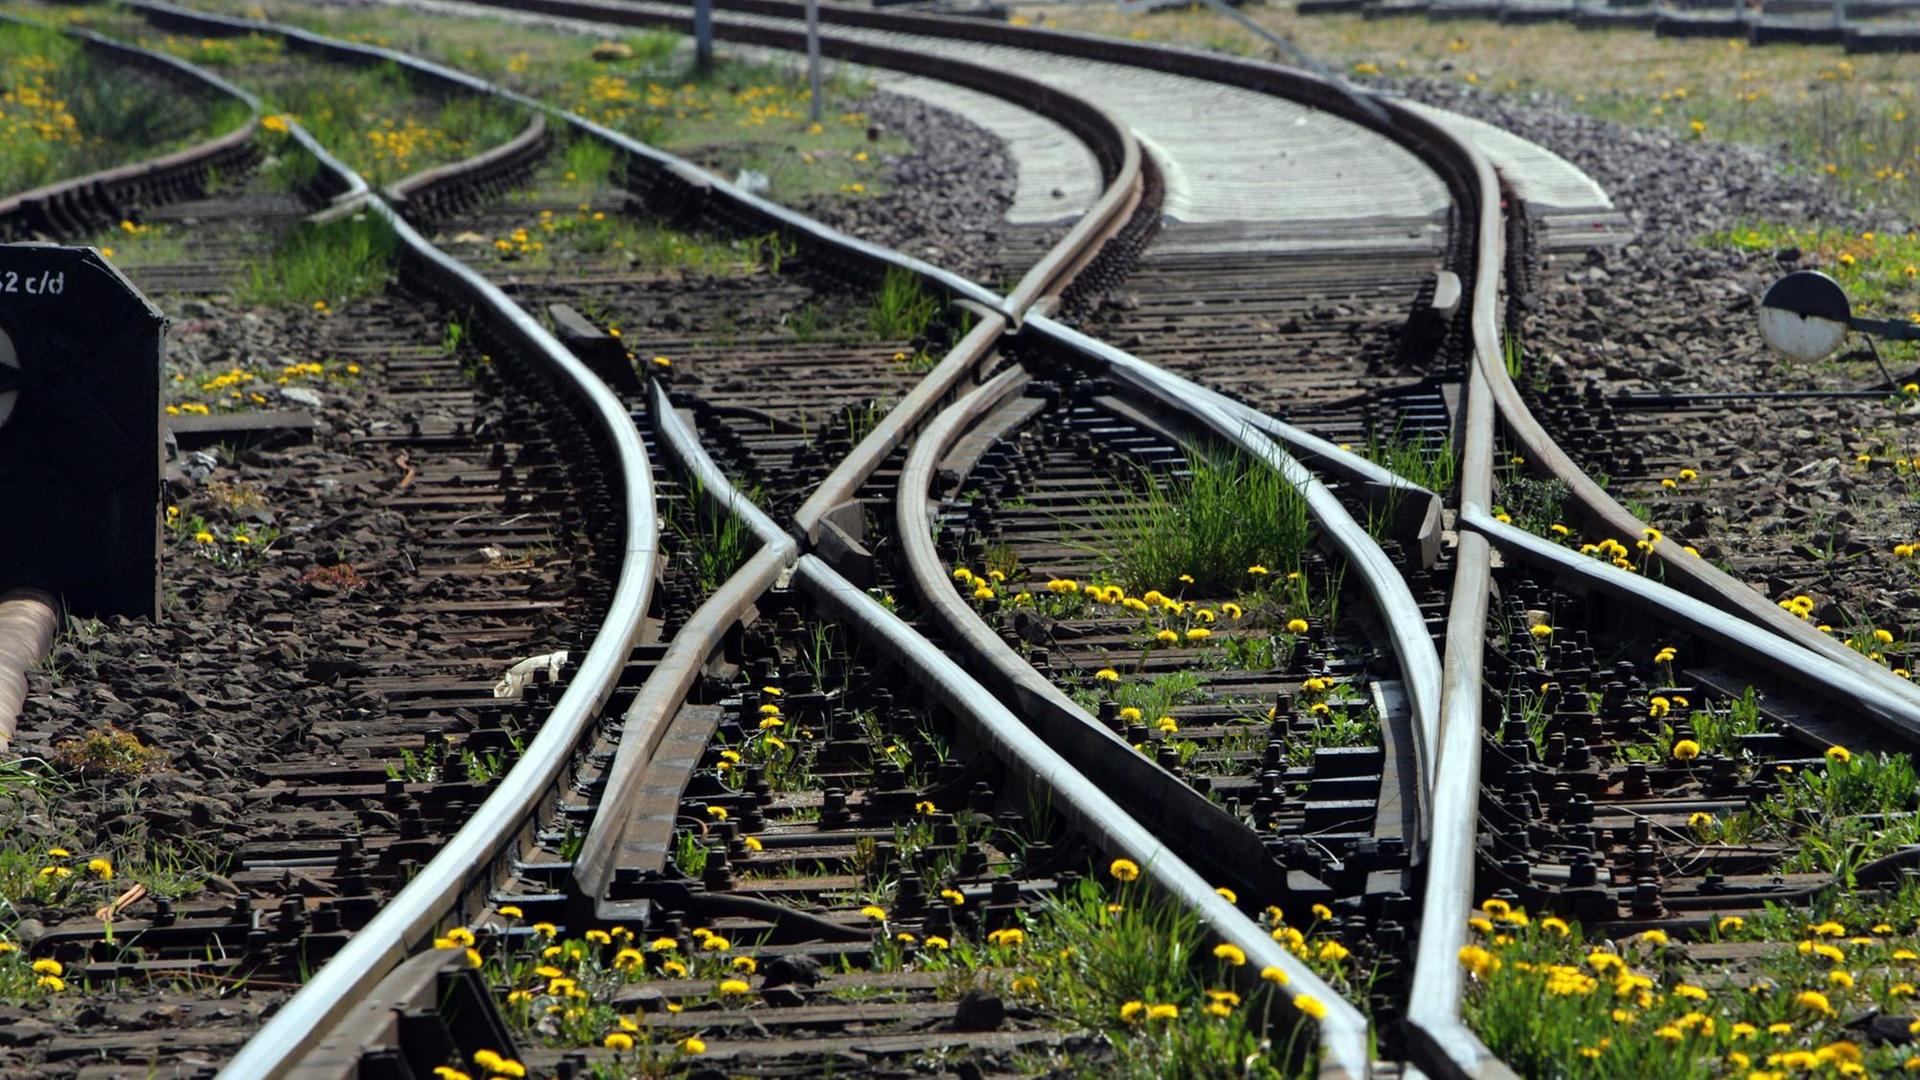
{"points": [[907, 792]]}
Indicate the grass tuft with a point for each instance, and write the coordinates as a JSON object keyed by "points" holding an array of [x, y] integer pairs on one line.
{"points": [[1228, 514], [333, 263], [903, 308]]}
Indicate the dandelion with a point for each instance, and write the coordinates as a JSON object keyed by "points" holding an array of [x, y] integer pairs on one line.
{"points": [[1163, 1012], [510, 911], [717, 813], [1839, 755], [693, 1044], [1333, 951], [1296, 626], [752, 843], [1731, 922], [1700, 819], [925, 807], [874, 912], [1274, 975], [1257, 570], [1555, 926], [1231, 953], [1813, 1001], [1107, 674], [1124, 869], [1310, 1005], [1133, 1012], [617, 1041], [1167, 724], [734, 987], [1686, 750], [1231, 611], [1199, 633], [1321, 912], [953, 896], [1011, 936], [1479, 961], [937, 943], [101, 869]]}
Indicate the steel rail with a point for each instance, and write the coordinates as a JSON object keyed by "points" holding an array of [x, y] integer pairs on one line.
{"points": [[1229, 852], [188, 165], [429, 188], [690, 180], [646, 720], [1406, 626], [1438, 1041], [1810, 670], [1344, 1034], [470, 855], [1029, 754]]}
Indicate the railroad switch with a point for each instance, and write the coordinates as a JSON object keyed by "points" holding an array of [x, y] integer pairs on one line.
{"points": [[80, 353]]}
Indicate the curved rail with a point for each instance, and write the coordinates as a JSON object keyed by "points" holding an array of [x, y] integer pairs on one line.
{"points": [[1406, 626], [72, 204], [1030, 755], [435, 191], [1440, 1042], [412, 915]]}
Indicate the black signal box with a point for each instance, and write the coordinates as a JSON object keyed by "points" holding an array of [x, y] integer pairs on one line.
{"points": [[80, 431]]}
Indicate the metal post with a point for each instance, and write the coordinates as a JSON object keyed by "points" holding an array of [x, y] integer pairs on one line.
{"points": [[29, 620], [702, 34], [813, 57]]}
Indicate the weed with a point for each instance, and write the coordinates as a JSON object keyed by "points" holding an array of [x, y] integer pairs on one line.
{"points": [[323, 264], [107, 752], [69, 113], [1231, 512], [419, 767], [902, 308]]}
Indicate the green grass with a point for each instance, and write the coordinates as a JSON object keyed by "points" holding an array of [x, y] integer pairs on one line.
{"points": [[902, 308], [67, 113], [1101, 951], [1157, 696], [1231, 513], [330, 263], [739, 115], [712, 545], [373, 120], [1838, 817]]}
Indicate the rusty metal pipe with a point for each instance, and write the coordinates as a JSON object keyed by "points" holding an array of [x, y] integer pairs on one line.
{"points": [[29, 619]]}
